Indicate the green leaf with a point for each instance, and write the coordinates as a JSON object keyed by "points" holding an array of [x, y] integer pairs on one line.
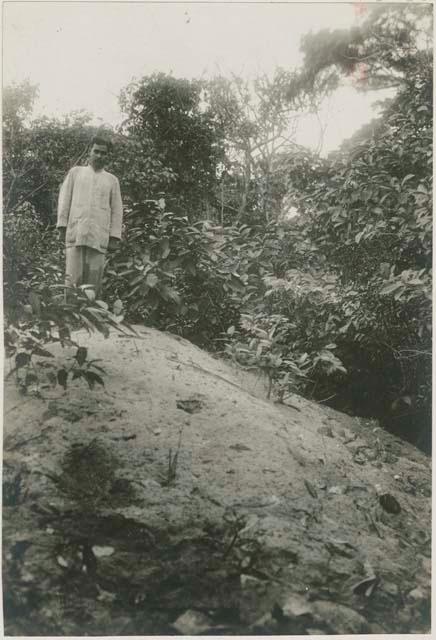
{"points": [[136, 280], [22, 359], [165, 247], [190, 268], [62, 377], [168, 293], [96, 321], [122, 273], [35, 302], [129, 327], [92, 377], [81, 355], [151, 280], [390, 288], [407, 178], [133, 291], [96, 366], [118, 307], [236, 283], [51, 377], [89, 325], [399, 293], [39, 351], [90, 294], [31, 378]]}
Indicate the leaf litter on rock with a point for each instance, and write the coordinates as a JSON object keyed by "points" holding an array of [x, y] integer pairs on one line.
{"points": [[326, 431], [338, 490], [311, 489], [341, 548], [366, 586], [239, 447], [190, 405]]}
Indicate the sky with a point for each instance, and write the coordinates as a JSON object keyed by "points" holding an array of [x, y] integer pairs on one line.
{"points": [[82, 54]]}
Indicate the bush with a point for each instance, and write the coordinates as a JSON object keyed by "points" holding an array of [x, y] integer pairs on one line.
{"points": [[32, 255], [37, 310], [289, 333], [168, 273], [49, 317]]}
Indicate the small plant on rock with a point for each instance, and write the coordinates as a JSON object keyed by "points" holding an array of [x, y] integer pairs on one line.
{"points": [[49, 318]]}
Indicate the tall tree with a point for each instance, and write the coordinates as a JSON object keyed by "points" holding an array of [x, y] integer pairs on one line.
{"points": [[389, 45], [18, 101], [179, 140], [260, 124]]}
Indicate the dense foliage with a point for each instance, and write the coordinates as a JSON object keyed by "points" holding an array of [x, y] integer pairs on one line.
{"points": [[168, 274], [173, 129], [334, 303], [369, 213]]}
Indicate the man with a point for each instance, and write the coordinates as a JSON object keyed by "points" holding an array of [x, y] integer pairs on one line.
{"points": [[90, 215]]}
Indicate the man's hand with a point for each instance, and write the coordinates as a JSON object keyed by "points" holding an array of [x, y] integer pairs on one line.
{"points": [[62, 233], [113, 242]]}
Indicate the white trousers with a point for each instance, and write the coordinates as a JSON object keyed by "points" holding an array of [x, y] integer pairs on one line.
{"points": [[84, 266]]}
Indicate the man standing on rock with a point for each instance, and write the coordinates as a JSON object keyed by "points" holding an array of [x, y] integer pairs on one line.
{"points": [[90, 215]]}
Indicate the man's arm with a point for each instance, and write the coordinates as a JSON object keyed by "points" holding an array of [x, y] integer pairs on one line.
{"points": [[64, 204], [116, 215]]}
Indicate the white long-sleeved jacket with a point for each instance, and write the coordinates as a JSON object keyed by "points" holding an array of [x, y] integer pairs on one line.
{"points": [[90, 207]]}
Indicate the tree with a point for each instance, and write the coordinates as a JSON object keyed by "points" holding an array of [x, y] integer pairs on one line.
{"points": [[259, 124], [177, 138], [18, 103], [382, 52]]}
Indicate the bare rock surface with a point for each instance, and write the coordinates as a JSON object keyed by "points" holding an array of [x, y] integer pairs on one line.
{"points": [[178, 500]]}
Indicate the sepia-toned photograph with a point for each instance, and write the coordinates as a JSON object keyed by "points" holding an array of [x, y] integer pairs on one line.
{"points": [[217, 318]]}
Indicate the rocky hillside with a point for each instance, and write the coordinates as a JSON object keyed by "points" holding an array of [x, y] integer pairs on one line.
{"points": [[177, 499]]}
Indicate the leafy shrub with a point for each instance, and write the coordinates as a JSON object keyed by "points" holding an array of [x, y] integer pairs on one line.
{"points": [[37, 311], [32, 255], [260, 344], [289, 333], [167, 272], [49, 318], [179, 141]]}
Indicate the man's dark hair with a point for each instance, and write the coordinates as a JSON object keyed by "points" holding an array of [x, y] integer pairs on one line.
{"points": [[103, 141]]}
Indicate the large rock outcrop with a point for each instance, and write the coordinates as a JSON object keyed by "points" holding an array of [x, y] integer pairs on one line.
{"points": [[177, 499]]}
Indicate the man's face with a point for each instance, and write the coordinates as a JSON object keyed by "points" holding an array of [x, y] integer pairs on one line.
{"points": [[98, 156]]}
